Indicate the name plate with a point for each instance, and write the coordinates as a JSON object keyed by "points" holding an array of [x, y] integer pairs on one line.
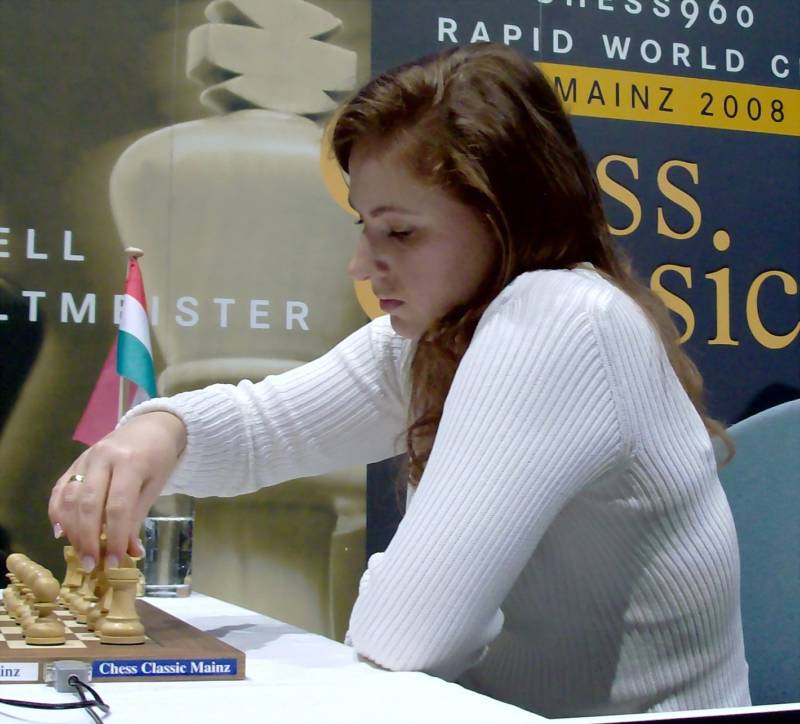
{"points": [[127, 668], [11, 671]]}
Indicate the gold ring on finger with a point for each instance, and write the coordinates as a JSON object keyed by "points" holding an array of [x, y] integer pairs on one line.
{"points": [[76, 478]]}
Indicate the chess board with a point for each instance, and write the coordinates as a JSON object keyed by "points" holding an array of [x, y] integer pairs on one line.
{"points": [[173, 651], [77, 634]]}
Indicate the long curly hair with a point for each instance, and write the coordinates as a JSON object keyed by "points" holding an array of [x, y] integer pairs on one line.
{"points": [[483, 123]]}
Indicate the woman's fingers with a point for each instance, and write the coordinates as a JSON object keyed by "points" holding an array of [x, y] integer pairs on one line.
{"points": [[135, 547], [113, 484], [88, 508], [65, 502], [55, 507], [99, 491], [122, 506]]}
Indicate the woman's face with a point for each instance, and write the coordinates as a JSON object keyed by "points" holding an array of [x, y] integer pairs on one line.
{"points": [[422, 251]]}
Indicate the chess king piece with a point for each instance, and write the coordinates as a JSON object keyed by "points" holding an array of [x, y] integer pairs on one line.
{"points": [[122, 625], [246, 252], [245, 249]]}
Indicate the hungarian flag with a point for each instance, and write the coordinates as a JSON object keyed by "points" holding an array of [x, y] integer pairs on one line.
{"points": [[130, 358], [134, 355]]}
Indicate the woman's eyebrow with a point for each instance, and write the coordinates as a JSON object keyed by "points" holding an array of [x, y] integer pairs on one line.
{"points": [[383, 209]]}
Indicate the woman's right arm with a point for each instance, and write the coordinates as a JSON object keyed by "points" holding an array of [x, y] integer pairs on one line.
{"points": [[346, 407]]}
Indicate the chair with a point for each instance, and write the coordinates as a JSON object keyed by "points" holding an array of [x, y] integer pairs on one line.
{"points": [[762, 483]]}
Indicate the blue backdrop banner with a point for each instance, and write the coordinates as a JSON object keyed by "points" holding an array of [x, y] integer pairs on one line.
{"points": [[691, 113]]}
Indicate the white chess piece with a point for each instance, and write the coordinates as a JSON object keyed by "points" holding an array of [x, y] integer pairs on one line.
{"points": [[122, 625]]}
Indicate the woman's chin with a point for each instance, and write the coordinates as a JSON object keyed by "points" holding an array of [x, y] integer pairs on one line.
{"points": [[404, 328]]}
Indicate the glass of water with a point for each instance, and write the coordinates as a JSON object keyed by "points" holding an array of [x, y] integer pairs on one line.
{"points": [[167, 535]]}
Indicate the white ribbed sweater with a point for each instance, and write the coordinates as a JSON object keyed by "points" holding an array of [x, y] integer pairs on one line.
{"points": [[569, 549]]}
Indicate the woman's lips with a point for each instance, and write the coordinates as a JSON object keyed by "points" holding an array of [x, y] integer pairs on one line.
{"points": [[389, 305]]}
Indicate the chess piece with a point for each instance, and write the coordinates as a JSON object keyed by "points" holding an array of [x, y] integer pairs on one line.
{"points": [[104, 592], [13, 563], [251, 174], [10, 600], [28, 572], [18, 565], [84, 597], [122, 624], [8, 594], [99, 609], [14, 560], [72, 580], [252, 170], [27, 616], [46, 630], [13, 602]]}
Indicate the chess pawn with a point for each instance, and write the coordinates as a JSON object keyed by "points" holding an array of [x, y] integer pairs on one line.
{"points": [[14, 561], [26, 616], [46, 630], [17, 564], [10, 600], [26, 571], [122, 624], [17, 599], [14, 601]]}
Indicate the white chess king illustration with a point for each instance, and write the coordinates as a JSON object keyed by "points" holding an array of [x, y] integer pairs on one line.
{"points": [[247, 252]]}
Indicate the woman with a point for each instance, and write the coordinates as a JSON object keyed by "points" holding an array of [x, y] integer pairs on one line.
{"points": [[567, 546]]}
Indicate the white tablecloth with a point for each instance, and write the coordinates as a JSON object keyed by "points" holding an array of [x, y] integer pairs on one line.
{"points": [[292, 677]]}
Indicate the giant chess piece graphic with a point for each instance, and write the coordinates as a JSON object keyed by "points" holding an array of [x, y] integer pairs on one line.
{"points": [[247, 253], [243, 243]]}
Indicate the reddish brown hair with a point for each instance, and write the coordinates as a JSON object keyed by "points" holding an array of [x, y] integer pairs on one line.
{"points": [[483, 123]]}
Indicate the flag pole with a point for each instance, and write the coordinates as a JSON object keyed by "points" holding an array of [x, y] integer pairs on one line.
{"points": [[133, 252]]}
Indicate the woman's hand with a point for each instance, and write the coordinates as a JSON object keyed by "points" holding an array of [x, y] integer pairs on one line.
{"points": [[115, 482]]}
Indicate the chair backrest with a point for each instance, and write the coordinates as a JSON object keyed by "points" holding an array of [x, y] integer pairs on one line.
{"points": [[762, 483]]}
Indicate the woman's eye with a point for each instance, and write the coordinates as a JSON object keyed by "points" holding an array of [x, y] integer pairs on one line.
{"points": [[400, 233]]}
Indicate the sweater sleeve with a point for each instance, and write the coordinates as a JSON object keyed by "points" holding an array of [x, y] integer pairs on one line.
{"points": [[530, 420], [345, 408]]}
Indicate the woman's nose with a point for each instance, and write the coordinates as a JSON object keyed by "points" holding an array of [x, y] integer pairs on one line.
{"points": [[364, 263]]}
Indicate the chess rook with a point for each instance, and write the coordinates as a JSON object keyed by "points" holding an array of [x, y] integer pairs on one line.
{"points": [[122, 625]]}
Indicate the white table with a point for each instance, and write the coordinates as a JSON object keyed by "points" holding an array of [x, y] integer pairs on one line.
{"points": [[292, 677]]}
